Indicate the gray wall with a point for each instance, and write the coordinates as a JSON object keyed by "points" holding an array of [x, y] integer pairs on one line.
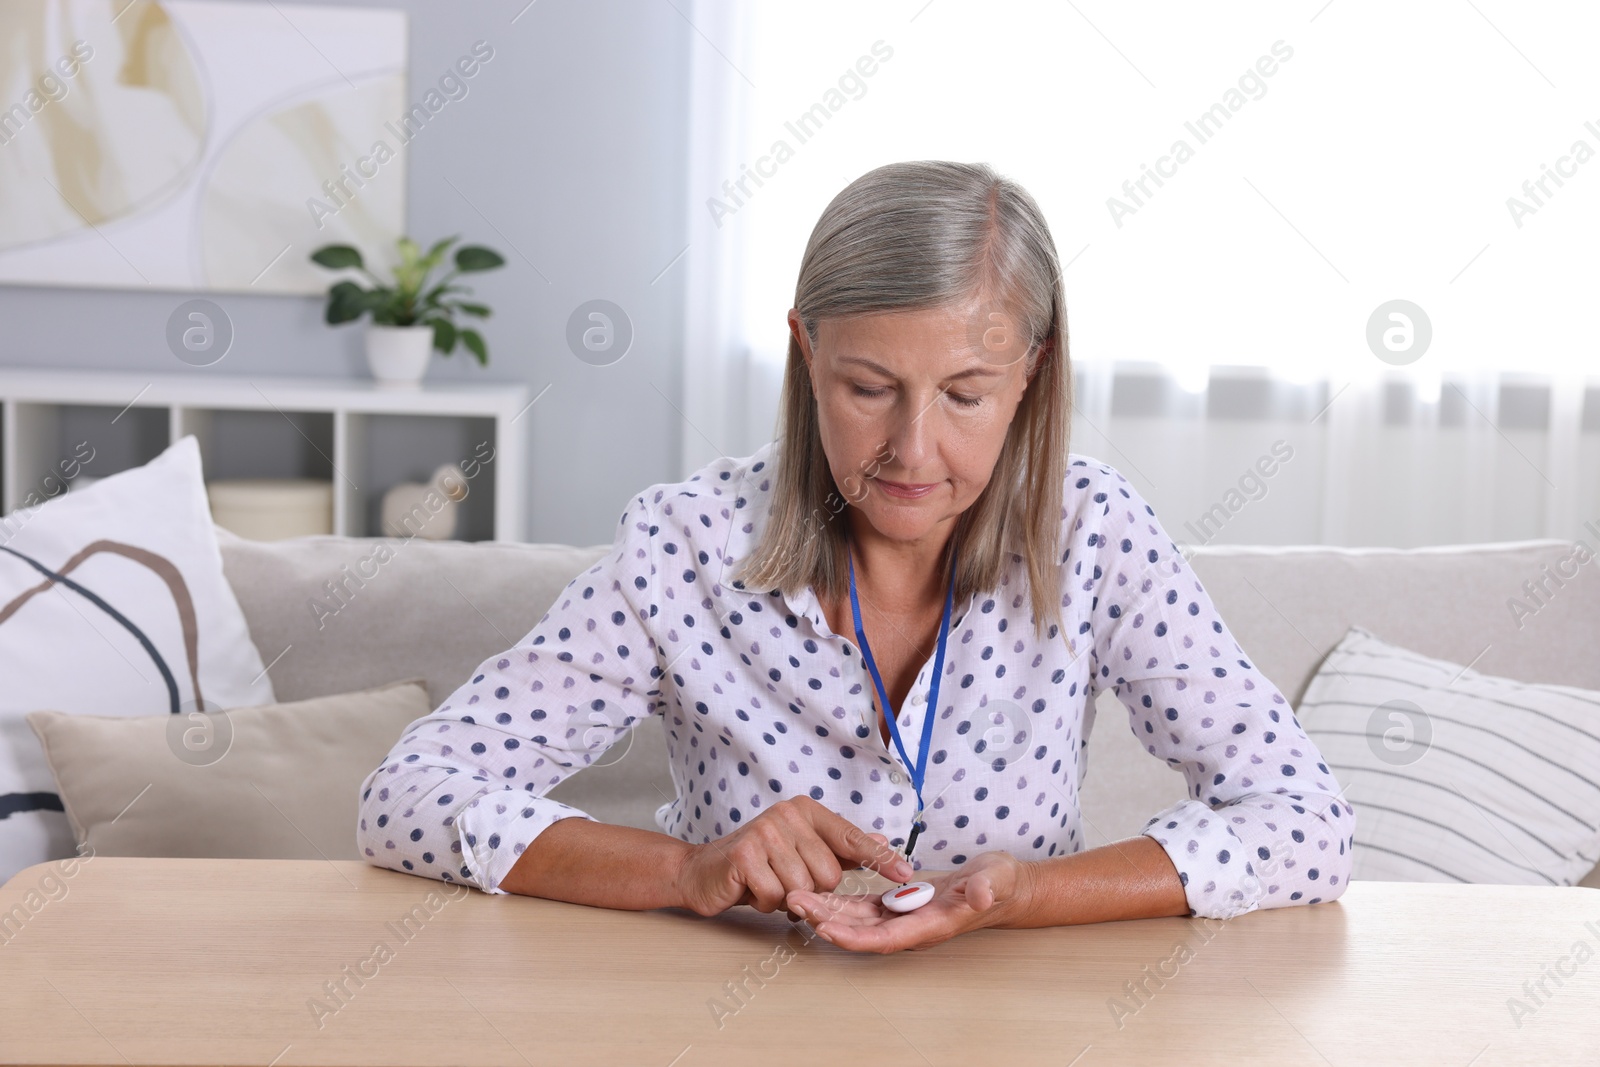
{"points": [[571, 143]]}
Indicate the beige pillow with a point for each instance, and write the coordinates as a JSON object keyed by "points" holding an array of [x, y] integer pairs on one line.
{"points": [[1456, 776], [278, 781]]}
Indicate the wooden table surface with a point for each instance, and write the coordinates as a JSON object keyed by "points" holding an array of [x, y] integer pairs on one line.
{"points": [[184, 961]]}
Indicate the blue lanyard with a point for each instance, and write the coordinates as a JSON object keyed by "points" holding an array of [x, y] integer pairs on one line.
{"points": [[891, 714]]}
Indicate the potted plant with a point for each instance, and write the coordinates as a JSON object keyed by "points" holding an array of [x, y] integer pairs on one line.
{"points": [[410, 317]]}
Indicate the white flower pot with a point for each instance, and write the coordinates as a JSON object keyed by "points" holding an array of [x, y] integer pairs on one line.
{"points": [[398, 355]]}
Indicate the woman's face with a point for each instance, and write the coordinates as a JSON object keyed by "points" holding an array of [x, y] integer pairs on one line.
{"points": [[913, 408]]}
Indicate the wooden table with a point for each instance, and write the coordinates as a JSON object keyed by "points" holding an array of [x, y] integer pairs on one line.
{"points": [[225, 961]]}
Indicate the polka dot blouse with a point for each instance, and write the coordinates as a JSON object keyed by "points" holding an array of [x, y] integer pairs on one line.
{"points": [[762, 701]]}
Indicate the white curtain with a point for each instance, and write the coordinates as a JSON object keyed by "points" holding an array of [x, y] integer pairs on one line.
{"points": [[718, 373], [1396, 473], [1226, 315]]}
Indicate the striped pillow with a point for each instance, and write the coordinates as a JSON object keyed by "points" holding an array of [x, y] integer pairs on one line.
{"points": [[1457, 776]]}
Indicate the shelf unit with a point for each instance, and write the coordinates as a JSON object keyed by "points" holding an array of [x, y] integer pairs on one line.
{"points": [[362, 436]]}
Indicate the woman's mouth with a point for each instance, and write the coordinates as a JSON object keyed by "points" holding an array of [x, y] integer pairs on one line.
{"points": [[906, 490]]}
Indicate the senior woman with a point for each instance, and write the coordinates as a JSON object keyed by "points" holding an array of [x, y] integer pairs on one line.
{"points": [[873, 642]]}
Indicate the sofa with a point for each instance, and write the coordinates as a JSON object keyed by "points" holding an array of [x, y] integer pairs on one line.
{"points": [[334, 614]]}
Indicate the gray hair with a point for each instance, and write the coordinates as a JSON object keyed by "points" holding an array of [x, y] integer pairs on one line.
{"points": [[910, 236]]}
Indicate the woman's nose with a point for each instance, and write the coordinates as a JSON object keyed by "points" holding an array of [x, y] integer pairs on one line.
{"points": [[912, 437]]}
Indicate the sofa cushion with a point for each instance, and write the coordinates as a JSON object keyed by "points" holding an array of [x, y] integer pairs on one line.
{"points": [[1457, 776], [336, 613], [1289, 606], [1478, 604], [331, 614], [112, 601], [274, 782]]}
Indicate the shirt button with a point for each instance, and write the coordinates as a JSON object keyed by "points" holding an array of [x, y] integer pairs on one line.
{"points": [[894, 776], [918, 698]]}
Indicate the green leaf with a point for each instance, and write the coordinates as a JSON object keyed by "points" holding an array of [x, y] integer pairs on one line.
{"points": [[337, 257], [480, 310], [346, 301], [339, 313], [409, 251], [431, 297], [474, 341], [436, 253], [476, 257], [444, 335], [387, 307]]}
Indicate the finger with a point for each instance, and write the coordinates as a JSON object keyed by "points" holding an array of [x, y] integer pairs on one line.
{"points": [[791, 869], [821, 864], [857, 903], [762, 884], [980, 892], [852, 845], [881, 847], [736, 881], [836, 922], [821, 907], [895, 934]]}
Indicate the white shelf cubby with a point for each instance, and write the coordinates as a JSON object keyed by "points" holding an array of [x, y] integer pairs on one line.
{"points": [[362, 436]]}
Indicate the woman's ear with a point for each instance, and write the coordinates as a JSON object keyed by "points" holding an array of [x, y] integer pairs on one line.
{"points": [[1033, 370], [798, 332]]}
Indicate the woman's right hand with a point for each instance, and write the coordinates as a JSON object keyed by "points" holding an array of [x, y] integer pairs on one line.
{"points": [[795, 844]]}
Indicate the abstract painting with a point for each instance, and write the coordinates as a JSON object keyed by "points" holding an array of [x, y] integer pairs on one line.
{"points": [[195, 144]]}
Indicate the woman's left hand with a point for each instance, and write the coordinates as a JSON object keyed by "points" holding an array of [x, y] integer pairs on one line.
{"points": [[991, 890]]}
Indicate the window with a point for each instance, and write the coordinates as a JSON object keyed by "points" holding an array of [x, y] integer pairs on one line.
{"points": [[1236, 184]]}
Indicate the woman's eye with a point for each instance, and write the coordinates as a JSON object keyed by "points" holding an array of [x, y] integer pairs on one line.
{"points": [[964, 401]]}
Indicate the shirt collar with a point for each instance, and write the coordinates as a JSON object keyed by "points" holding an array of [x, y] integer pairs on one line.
{"points": [[803, 602]]}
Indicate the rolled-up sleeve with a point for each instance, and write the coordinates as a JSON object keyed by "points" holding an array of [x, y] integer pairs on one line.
{"points": [[461, 795], [1264, 824]]}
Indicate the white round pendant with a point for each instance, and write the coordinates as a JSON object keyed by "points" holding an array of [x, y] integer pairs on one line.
{"points": [[908, 897]]}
